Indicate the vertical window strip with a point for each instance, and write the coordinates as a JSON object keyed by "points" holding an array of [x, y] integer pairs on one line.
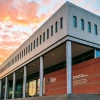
{"points": [[56, 27], [34, 44], [37, 42], [24, 52], [43, 36], [74, 21], [47, 33], [20, 55], [52, 30], [31, 46], [82, 24], [89, 27], [40, 39], [61, 22], [95, 29]]}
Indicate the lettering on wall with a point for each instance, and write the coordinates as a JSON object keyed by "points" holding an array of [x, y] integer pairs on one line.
{"points": [[50, 80], [80, 79]]}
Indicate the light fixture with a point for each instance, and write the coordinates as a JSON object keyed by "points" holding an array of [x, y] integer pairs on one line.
{"points": [[52, 54], [34, 64], [21, 71]]}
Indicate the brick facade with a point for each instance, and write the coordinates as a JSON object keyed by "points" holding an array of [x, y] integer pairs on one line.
{"points": [[86, 79]]}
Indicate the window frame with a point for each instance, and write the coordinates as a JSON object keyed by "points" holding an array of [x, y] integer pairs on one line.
{"points": [[95, 29], [75, 21], [56, 26], [52, 30], [89, 27], [47, 33], [61, 22], [82, 24]]}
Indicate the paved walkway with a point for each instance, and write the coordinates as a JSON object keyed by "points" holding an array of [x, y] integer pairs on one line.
{"points": [[66, 97]]}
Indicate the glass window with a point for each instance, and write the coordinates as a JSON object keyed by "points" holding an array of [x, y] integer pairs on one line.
{"points": [[83, 57], [97, 53], [47, 33], [56, 27], [24, 52], [28, 48], [34, 44], [95, 29], [37, 42], [40, 39], [82, 24], [31, 46], [61, 22], [52, 30], [15, 59], [89, 27], [43, 36], [20, 55], [74, 21]]}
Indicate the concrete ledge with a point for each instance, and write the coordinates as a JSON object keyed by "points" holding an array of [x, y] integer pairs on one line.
{"points": [[65, 97]]}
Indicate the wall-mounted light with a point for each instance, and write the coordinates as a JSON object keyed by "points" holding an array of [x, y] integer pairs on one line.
{"points": [[34, 64], [52, 54]]}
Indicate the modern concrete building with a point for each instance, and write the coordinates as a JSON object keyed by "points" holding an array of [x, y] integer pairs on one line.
{"points": [[56, 59]]}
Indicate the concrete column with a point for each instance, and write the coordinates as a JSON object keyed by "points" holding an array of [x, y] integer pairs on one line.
{"points": [[69, 66], [0, 88], [94, 53], [6, 88], [41, 76], [14, 85], [24, 81]]}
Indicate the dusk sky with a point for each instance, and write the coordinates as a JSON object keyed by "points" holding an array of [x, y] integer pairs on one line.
{"points": [[20, 18]]}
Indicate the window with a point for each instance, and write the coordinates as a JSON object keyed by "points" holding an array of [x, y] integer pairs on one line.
{"points": [[74, 21], [89, 27], [15, 59], [47, 33], [12, 61], [52, 30], [40, 39], [61, 22], [95, 29], [34, 44], [20, 55], [43, 36], [97, 53], [82, 24], [28, 48], [37, 42], [56, 27], [31, 46], [24, 52]]}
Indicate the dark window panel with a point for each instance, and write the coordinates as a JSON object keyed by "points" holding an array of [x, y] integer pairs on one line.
{"points": [[61, 22], [52, 30], [95, 29], [74, 21], [89, 27], [47, 33], [43, 36], [56, 27], [82, 24]]}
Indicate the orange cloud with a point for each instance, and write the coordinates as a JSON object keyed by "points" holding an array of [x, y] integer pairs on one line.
{"points": [[15, 15]]}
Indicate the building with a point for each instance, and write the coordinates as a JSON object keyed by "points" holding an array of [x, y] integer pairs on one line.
{"points": [[63, 53]]}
